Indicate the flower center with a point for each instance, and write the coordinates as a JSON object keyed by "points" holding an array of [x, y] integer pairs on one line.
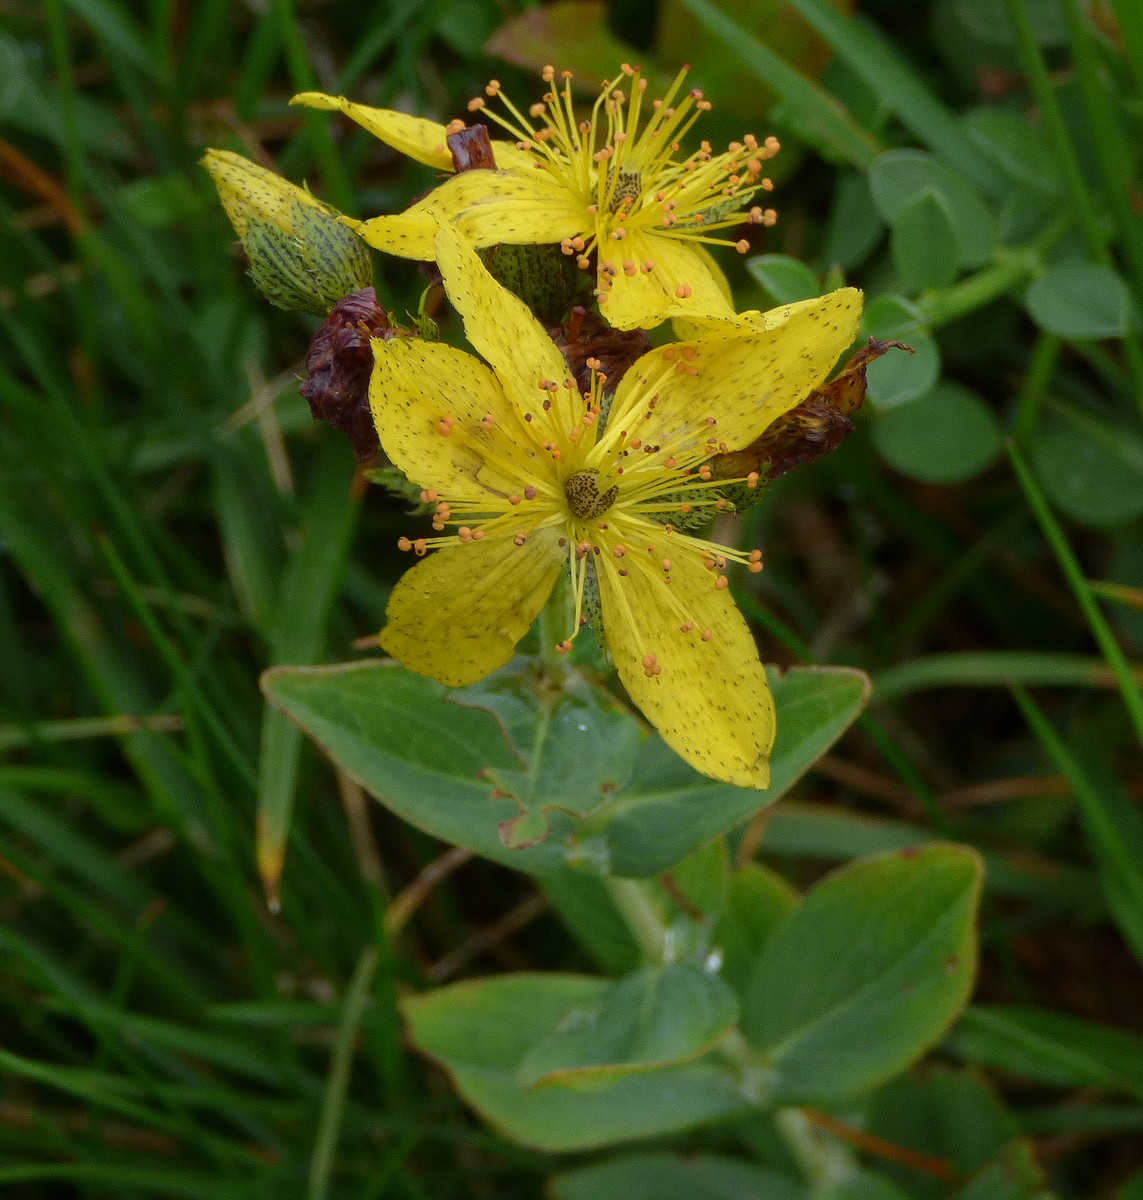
{"points": [[585, 499], [625, 187]]}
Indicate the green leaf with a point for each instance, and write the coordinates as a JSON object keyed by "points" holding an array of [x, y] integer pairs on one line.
{"points": [[687, 900], [1090, 467], [945, 436], [481, 1032], [820, 831], [1080, 300], [945, 1113], [855, 226], [307, 592], [655, 1017], [865, 974], [900, 177], [398, 735], [1013, 146], [466, 25], [1050, 1047], [897, 378], [865, 1185], [923, 242], [456, 771], [671, 1177], [758, 902], [117, 31], [785, 279], [990, 668], [571, 753], [487, 768], [160, 201], [695, 888], [668, 809], [990, 21]]}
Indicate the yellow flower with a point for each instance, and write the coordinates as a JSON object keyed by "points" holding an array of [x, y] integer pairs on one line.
{"points": [[536, 482], [302, 255], [617, 184]]}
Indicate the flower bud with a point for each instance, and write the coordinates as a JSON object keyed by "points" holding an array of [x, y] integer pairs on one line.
{"points": [[302, 255]]}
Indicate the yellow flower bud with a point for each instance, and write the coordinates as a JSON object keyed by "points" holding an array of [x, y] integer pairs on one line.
{"points": [[302, 254]]}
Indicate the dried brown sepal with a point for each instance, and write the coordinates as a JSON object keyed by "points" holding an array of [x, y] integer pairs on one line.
{"points": [[587, 335], [472, 149], [339, 363], [816, 426]]}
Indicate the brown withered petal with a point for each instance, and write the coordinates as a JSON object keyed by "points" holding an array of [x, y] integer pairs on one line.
{"points": [[816, 426], [472, 149], [587, 335], [339, 363]]}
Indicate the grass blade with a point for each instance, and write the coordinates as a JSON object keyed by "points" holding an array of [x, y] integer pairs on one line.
{"points": [[308, 593], [992, 668], [871, 57], [1125, 677], [838, 135], [1113, 824]]}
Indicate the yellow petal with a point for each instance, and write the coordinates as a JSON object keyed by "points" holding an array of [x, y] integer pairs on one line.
{"points": [[407, 235], [745, 377], [425, 141], [487, 207], [491, 207], [512, 158], [517, 207], [499, 325], [682, 281], [688, 326], [412, 136], [752, 320], [414, 386], [458, 615], [710, 701]]}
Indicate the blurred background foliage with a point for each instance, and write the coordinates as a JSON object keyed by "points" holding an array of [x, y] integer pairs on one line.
{"points": [[172, 522]]}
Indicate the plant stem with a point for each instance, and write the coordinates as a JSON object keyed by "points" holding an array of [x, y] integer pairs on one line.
{"points": [[825, 1161], [634, 904], [975, 291], [1012, 267], [1045, 358]]}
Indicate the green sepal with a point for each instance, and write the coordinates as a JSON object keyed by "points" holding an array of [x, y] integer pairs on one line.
{"points": [[543, 277], [310, 267]]}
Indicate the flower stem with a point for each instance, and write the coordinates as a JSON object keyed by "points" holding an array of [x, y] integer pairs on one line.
{"points": [[640, 915], [824, 1160]]}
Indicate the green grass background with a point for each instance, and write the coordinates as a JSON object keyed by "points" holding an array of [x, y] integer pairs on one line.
{"points": [[172, 522]]}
